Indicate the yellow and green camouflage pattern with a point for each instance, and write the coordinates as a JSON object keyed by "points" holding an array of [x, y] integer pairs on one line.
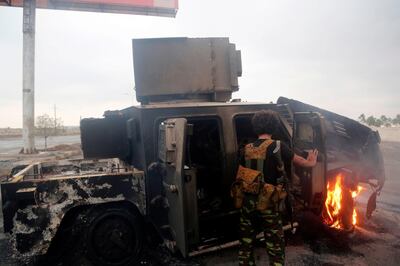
{"points": [[271, 223]]}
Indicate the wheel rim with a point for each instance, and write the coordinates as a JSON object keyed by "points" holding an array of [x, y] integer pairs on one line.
{"points": [[113, 239]]}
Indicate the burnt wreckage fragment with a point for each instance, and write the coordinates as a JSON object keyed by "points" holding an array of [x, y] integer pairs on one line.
{"points": [[167, 164]]}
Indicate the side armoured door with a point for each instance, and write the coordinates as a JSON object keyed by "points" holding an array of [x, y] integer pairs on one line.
{"points": [[179, 183], [309, 134]]}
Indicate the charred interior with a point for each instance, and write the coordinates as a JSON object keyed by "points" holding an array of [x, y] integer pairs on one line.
{"points": [[205, 155]]}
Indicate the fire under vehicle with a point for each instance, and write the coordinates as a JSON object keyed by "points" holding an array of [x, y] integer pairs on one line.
{"points": [[164, 168]]}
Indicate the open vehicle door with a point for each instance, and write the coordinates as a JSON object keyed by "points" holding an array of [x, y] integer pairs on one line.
{"points": [[179, 183], [309, 134]]}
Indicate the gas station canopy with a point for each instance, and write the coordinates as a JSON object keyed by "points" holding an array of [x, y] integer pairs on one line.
{"points": [[166, 8]]}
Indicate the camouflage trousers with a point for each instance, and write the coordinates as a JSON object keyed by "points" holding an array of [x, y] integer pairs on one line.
{"points": [[270, 222]]}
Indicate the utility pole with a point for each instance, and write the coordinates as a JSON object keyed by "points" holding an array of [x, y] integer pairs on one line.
{"points": [[28, 72], [55, 120]]}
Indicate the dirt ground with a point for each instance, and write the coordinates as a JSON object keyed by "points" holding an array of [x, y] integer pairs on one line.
{"points": [[374, 242]]}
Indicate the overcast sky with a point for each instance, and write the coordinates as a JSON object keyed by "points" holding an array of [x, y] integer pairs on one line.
{"points": [[343, 56]]}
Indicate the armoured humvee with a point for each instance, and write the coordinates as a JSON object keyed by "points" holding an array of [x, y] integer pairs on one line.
{"points": [[164, 168]]}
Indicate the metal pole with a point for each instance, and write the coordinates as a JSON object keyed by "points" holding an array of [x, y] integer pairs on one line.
{"points": [[55, 120], [28, 72]]}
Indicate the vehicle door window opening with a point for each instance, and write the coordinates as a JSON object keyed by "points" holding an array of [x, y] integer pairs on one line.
{"points": [[204, 152]]}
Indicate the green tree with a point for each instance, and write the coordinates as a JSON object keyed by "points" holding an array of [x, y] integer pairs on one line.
{"points": [[386, 121], [378, 122], [361, 118], [396, 120], [372, 121]]}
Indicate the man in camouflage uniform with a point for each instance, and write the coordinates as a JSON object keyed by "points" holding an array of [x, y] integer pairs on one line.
{"points": [[264, 125]]}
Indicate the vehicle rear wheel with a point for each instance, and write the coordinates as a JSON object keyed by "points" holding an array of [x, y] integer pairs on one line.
{"points": [[114, 237]]}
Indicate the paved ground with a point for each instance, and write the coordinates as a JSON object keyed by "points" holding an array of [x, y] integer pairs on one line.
{"points": [[374, 242]]}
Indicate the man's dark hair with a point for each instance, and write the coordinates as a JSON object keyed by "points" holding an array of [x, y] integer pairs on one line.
{"points": [[265, 122]]}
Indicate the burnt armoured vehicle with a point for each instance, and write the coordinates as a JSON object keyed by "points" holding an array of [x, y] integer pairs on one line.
{"points": [[174, 158]]}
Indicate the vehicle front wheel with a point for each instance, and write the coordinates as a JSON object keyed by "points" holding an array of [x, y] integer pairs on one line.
{"points": [[114, 237]]}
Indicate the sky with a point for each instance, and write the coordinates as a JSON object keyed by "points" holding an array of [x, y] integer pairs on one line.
{"points": [[341, 55]]}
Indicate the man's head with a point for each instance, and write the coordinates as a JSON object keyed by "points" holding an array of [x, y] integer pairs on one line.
{"points": [[264, 122]]}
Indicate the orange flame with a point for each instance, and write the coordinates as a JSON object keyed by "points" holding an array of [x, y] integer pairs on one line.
{"points": [[334, 203], [354, 195]]}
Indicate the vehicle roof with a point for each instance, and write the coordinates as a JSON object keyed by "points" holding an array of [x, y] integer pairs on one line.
{"points": [[196, 104]]}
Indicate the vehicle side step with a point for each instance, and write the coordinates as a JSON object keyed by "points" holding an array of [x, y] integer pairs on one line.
{"points": [[234, 243]]}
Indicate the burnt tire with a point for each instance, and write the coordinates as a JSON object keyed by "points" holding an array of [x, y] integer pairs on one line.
{"points": [[114, 237], [65, 247]]}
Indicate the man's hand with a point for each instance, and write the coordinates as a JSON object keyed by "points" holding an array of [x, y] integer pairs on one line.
{"points": [[312, 157], [311, 160]]}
